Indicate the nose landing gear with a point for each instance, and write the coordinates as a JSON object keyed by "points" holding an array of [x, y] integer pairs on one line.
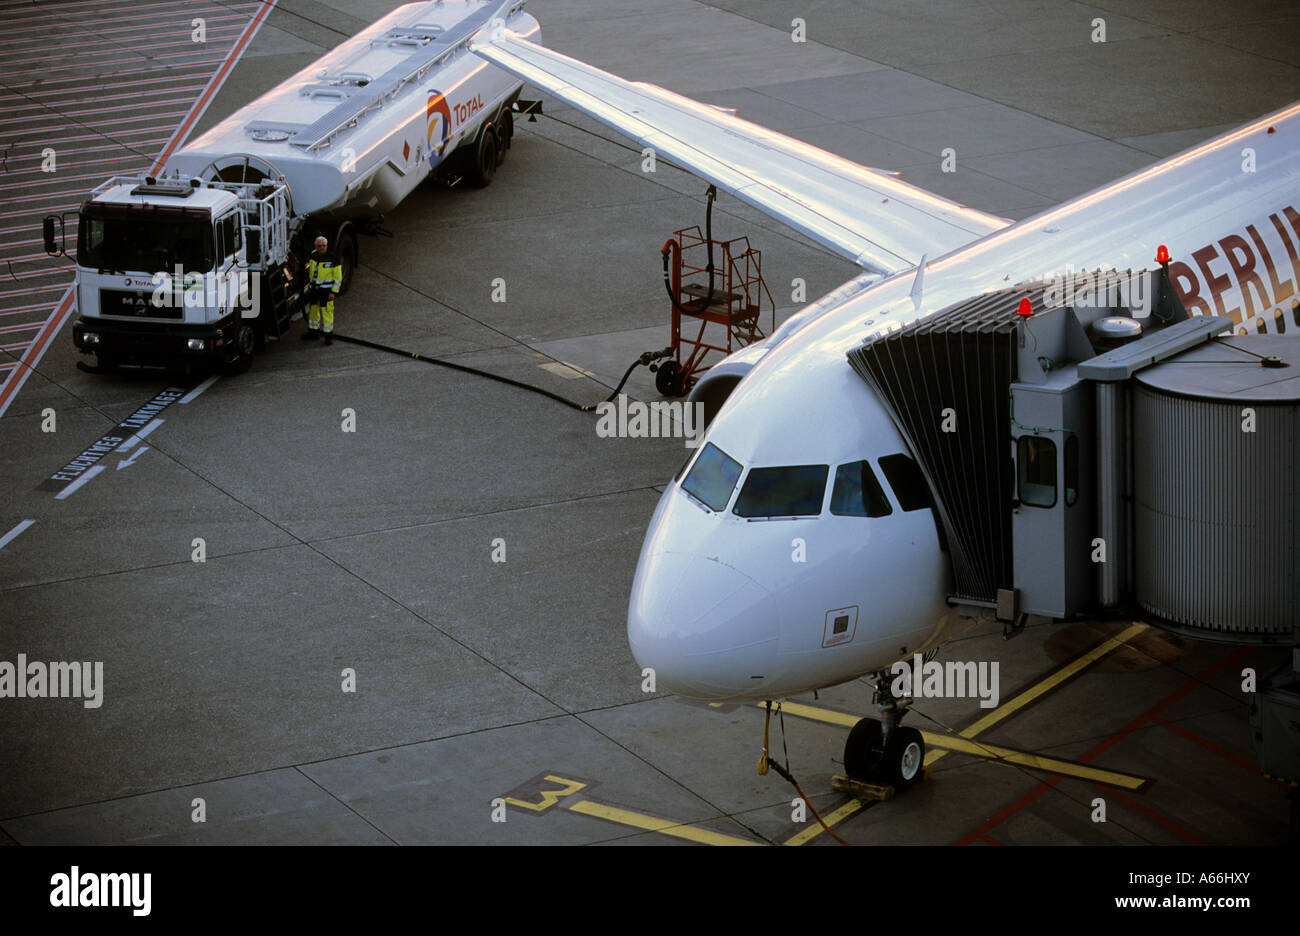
{"points": [[880, 750]]}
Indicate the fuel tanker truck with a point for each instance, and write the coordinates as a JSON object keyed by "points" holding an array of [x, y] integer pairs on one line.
{"points": [[206, 262]]}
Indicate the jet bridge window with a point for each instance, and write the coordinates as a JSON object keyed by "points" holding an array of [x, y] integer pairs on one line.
{"points": [[713, 477], [794, 491], [905, 477], [857, 493], [1036, 466]]}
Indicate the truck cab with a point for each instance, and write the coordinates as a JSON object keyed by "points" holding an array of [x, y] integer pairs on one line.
{"points": [[161, 274], [164, 274], [206, 261]]}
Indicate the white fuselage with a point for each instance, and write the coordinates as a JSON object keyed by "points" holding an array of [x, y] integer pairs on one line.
{"points": [[723, 608]]}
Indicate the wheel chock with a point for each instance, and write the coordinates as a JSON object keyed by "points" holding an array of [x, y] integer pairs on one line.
{"points": [[862, 789]]}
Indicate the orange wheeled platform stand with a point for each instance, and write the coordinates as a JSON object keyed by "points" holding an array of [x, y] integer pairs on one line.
{"points": [[723, 319]]}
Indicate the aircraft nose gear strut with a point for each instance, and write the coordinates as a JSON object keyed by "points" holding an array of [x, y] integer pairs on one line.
{"points": [[881, 750]]}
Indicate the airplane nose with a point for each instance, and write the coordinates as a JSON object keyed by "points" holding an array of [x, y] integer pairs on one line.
{"points": [[707, 630]]}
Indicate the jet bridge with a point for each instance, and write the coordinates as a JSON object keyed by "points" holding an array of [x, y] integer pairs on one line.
{"points": [[1094, 451]]}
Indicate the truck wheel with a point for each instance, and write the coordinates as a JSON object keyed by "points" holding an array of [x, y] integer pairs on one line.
{"points": [[486, 166], [507, 124], [245, 345], [347, 257]]}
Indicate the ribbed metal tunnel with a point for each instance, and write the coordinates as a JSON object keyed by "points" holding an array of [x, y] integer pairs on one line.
{"points": [[1214, 513]]}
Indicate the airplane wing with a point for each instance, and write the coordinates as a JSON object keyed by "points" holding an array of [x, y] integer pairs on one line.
{"points": [[865, 215]]}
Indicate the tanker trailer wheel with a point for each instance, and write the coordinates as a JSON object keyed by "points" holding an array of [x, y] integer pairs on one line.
{"points": [[507, 124], [486, 163], [347, 258]]}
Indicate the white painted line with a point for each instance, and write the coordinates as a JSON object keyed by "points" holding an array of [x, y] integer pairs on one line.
{"points": [[72, 488], [14, 533], [131, 442], [130, 459], [149, 428], [199, 389]]}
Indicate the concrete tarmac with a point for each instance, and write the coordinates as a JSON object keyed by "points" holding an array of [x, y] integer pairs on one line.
{"points": [[371, 552]]}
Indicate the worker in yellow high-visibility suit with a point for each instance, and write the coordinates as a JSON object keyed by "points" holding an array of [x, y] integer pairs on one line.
{"points": [[325, 278]]}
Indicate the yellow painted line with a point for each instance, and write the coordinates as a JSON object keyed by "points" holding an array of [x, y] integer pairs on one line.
{"points": [[942, 743], [815, 828], [549, 797], [1036, 761], [1064, 673], [939, 745], [653, 824], [998, 714], [1036, 690], [820, 714]]}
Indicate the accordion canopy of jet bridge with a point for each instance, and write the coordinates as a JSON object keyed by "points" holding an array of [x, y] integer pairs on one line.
{"points": [[946, 381], [956, 383], [1156, 477]]}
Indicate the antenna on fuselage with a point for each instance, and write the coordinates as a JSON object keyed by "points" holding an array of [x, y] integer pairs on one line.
{"points": [[918, 284]]}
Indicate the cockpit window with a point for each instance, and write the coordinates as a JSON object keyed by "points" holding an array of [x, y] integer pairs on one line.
{"points": [[713, 477], [783, 492], [857, 493], [907, 481]]}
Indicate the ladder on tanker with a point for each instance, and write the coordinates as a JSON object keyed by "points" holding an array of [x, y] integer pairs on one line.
{"points": [[266, 211], [284, 298]]}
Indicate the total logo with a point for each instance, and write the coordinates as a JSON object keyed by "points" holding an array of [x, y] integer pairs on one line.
{"points": [[467, 110], [438, 113]]}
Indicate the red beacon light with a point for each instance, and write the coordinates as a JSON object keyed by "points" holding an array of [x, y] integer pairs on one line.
{"points": [[1026, 308], [1162, 254]]}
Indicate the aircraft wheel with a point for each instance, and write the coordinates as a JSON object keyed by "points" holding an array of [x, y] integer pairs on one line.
{"points": [[862, 749], [904, 759]]}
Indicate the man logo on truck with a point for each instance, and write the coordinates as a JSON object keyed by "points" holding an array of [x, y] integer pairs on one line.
{"points": [[439, 117]]}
